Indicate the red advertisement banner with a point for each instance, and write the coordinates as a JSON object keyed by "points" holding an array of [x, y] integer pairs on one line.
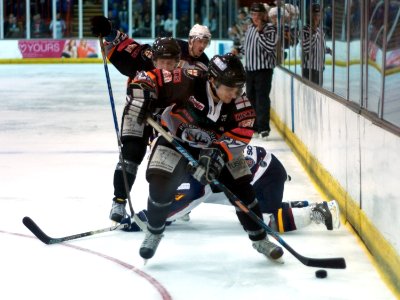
{"points": [[41, 48]]}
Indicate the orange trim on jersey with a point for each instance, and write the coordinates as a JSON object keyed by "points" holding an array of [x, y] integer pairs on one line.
{"points": [[245, 132], [163, 123], [244, 139], [226, 150], [179, 117], [110, 53], [280, 221], [152, 76]]}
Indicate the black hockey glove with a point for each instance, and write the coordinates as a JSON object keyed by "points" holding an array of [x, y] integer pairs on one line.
{"points": [[141, 100], [211, 162], [100, 26]]}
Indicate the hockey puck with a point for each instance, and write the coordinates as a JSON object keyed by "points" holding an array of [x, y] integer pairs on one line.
{"points": [[321, 273]]}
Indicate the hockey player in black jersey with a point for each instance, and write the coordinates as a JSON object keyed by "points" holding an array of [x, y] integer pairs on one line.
{"points": [[269, 178], [213, 119], [129, 57]]}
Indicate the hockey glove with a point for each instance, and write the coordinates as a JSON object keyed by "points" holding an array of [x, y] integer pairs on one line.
{"points": [[133, 227], [211, 162], [102, 27], [140, 102]]}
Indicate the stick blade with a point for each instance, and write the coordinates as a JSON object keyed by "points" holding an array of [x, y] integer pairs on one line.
{"points": [[328, 263], [32, 226]]}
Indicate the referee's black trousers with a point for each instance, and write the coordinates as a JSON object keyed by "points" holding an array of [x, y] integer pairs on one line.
{"points": [[258, 87]]}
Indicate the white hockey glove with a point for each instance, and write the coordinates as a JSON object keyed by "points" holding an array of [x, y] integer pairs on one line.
{"points": [[211, 162], [140, 102]]}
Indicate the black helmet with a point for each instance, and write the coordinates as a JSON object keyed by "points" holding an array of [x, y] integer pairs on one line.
{"points": [[166, 47], [228, 70]]}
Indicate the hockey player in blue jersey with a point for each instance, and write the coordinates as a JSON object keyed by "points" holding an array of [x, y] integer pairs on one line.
{"points": [[269, 177]]}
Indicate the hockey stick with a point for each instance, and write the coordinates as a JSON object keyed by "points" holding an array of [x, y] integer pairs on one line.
{"points": [[35, 229], [332, 263], [139, 222]]}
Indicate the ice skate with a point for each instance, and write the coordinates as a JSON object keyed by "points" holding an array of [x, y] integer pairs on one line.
{"points": [[327, 213], [118, 212], [149, 245], [269, 249]]}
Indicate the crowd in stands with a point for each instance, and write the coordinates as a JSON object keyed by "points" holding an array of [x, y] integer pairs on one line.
{"points": [[42, 27], [41, 22], [141, 23]]}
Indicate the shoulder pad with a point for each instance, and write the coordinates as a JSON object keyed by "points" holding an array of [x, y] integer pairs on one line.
{"points": [[144, 80]]}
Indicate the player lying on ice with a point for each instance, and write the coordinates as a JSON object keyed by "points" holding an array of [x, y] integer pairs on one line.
{"points": [[269, 177]]}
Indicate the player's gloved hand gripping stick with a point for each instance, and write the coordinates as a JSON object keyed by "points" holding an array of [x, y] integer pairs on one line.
{"points": [[333, 263]]}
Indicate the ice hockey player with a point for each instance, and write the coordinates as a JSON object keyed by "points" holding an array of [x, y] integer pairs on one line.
{"points": [[214, 120], [129, 57], [269, 177]]}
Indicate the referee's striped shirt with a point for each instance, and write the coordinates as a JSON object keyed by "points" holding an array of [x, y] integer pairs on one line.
{"points": [[259, 48], [313, 49]]}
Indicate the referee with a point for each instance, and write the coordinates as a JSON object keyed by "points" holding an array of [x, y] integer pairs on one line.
{"points": [[260, 57], [314, 47]]}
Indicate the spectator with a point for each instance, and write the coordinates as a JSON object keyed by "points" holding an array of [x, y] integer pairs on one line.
{"points": [[123, 17], [211, 23], [11, 28], [159, 26], [59, 27], [184, 26], [136, 22], [136, 6], [260, 55], [145, 30], [162, 9], [113, 15], [85, 51], [169, 25], [39, 28], [146, 7]]}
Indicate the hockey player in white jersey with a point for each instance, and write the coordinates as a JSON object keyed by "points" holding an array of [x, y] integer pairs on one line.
{"points": [[269, 177]]}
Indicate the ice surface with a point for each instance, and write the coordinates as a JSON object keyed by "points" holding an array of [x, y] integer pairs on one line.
{"points": [[57, 156]]}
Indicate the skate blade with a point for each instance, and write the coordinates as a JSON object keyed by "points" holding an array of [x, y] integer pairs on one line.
{"points": [[145, 261]]}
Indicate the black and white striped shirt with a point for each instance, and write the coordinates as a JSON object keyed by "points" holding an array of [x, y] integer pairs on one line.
{"points": [[260, 47], [313, 49]]}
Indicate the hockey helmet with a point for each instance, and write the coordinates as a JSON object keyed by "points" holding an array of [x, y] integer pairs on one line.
{"points": [[228, 70], [199, 32], [166, 47]]}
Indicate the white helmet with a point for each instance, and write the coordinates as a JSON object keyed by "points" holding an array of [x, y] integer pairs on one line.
{"points": [[200, 32], [273, 12], [292, 10]]}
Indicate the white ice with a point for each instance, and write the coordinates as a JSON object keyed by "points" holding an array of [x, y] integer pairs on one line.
{"points": [[58, 151]]}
